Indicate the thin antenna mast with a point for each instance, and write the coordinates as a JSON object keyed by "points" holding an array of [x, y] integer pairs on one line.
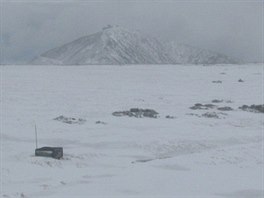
{"points": [[36, 136]]}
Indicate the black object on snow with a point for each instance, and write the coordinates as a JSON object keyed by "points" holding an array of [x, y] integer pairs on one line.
{"points": [[70, 120], [253, 108], [138, 113], [225, 108], [54, 152], [199, 106], [216, 81]]}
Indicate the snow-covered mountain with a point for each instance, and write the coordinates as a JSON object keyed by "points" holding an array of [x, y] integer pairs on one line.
{"points": [[186, 54], [116, 45]]}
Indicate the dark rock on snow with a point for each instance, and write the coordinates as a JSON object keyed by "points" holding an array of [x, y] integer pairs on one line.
{"points": [[217, 101], [199, 106], [216, 81], [70, 120], [100, 122], [138, 113], [253, 108], [170, 117], [224, 108]]}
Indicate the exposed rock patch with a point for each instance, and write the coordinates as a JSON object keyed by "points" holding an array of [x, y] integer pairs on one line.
{"points": [[100, 122], [217, 101], [170, 117], [216, 81], [218, 115], [225, 109], [214, 115], [209, 115], [221, 101], [138, 113], [253, 108], [199, 106], [70, 120]]}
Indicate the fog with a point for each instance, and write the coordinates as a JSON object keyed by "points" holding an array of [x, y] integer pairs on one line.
{"points": [[235, 28]]}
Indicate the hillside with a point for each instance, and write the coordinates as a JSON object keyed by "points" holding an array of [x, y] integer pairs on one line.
{"points": [[117, 45]]}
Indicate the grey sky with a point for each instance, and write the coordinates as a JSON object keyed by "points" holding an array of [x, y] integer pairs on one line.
{"points": [[231, 27]]}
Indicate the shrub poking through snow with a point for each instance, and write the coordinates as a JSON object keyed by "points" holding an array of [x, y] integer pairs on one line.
{"points": [[217, 101], [100, 122], [224, 108], [70, 120], [216, 81], [253, 108], [199, 106], [221, 101], [138, 113], [170, 117], [210, 115]]}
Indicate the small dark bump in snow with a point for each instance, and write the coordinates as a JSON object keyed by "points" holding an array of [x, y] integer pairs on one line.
{"points": [[70, 120], [170, 117], [225, 109], [253, 108], [138, 113], [100, 122], [216, 81]]}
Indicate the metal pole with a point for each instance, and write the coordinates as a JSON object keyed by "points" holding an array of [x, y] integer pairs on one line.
{"points": [[36, 136]]}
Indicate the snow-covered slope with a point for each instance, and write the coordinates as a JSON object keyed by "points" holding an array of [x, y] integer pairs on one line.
{"points": [[186, 54], [116, 45], [187, 156], [113, 45]]}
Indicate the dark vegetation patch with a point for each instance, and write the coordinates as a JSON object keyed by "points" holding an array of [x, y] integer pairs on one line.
{"points": [[199, 106], [225, 109], [253, 108], [100, 122], [215, 115], [170, 117], [216, 81], [217, 101], [70, 120], [210, 115], [138, 113], [221, 101]]}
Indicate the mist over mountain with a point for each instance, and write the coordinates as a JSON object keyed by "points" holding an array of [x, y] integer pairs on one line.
{"points": [[115, 45]]}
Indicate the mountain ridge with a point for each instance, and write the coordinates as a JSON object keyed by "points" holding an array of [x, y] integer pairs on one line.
{"points": [[115, 45]]}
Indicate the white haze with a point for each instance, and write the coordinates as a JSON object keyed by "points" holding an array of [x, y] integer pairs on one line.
{"points": [[231, 27]]}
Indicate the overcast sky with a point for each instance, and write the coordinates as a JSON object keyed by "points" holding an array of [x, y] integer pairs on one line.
{"points": [[30, 27]]}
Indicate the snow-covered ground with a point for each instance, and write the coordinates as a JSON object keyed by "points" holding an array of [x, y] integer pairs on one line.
{"points": [[189, 156]]}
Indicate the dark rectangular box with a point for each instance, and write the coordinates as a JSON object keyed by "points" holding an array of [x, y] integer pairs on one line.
{"points": [[54, 152]]}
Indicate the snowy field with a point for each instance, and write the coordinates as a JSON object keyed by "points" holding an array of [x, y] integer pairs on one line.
{"points": [[187, 155]]}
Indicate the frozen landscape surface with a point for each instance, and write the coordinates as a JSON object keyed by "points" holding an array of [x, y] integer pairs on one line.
{"points": [[181, 153]]}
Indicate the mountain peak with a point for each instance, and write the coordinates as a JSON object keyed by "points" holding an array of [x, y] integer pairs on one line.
{"points": [[116, 32], [117, 45]]}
